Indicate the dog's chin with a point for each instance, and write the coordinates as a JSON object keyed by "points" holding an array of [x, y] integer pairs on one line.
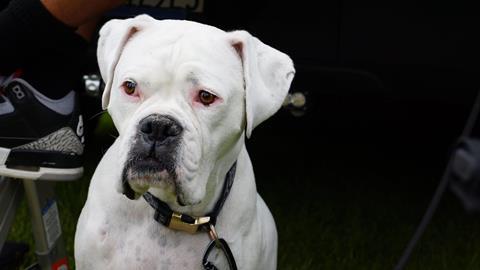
{"points": [[135, 188], [139, 179]]}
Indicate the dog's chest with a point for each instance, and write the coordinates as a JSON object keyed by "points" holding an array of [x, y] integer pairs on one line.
{"points": [[149, 246]]}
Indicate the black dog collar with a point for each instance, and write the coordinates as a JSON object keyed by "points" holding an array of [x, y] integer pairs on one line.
{"points": [[183, 222]]}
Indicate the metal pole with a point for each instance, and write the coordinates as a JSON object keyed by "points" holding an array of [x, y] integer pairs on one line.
{"points": [[47, 232]]}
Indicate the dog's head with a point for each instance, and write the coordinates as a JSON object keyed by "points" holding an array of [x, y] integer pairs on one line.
{"points": [[182, 95]]}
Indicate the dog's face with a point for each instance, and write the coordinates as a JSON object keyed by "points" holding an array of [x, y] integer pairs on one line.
{"points": [[178, 94], [177, 101]]}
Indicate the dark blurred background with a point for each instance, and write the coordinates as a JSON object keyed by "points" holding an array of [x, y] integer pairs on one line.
{"points": [[389, 86]]}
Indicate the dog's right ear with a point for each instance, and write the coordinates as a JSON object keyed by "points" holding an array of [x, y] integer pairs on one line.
{"points": [[113, 37], [267, 74]]}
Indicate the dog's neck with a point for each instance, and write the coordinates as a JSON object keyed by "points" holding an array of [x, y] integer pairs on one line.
{"points": [[181, 221]]}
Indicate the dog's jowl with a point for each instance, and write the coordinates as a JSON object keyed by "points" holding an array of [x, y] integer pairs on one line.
{"points": [[184, 97]]}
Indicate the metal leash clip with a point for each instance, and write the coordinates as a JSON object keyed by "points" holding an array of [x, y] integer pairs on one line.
{"points": [[212, 233], [222, 245]]}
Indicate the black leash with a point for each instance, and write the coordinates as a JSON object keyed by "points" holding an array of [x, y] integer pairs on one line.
{"points": [[183, 222], [442, 186]]}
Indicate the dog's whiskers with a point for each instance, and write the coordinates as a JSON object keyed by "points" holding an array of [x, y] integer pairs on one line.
{"points": [[96, 115]]}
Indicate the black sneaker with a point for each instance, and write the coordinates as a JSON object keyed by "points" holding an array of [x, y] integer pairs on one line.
{"points": [[40, 138]]}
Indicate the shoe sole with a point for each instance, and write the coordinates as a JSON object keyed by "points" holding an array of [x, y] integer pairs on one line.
{"points": [[37, 172], [43, 173]]}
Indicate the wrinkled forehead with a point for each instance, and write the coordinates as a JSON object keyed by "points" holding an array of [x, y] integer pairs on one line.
{"points": [[178, 48]]}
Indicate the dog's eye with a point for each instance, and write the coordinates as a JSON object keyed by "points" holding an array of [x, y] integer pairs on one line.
{"points": [[129, 87], [206, 98]]}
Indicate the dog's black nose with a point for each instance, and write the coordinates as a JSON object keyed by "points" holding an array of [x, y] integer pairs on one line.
{"points": [[158, 128]]}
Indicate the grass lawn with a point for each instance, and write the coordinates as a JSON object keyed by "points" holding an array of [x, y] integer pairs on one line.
{"points": [[342, 197]]}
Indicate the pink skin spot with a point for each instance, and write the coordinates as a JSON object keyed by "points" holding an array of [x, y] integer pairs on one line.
{"points": [[103, 234]]}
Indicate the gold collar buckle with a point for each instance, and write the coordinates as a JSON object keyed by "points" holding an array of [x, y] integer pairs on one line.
{"points": [[176, 223]]}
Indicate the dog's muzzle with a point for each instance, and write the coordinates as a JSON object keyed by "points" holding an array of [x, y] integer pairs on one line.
{"points": [[152, 157]]}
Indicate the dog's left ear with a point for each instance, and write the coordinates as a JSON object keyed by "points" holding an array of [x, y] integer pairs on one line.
{"points": [[268, 74], [113, 37]]}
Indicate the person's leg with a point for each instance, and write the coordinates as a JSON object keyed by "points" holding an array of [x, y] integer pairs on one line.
{"points": [[41, 46], [40, 36], [78, 12], [40, 124]]}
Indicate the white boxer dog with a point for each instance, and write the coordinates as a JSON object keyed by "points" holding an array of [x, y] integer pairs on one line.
{"points": [[182, 96]]}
